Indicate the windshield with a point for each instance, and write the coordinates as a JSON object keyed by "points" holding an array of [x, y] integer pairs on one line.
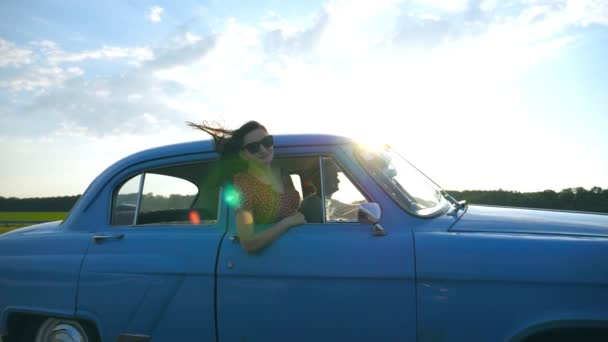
{"points": [[408, 186]]}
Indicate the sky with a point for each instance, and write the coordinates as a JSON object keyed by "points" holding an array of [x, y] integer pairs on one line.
{"points": [[479, 94]]}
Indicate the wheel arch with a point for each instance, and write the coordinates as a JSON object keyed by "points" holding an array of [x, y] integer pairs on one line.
{"points": [[539, 331]]}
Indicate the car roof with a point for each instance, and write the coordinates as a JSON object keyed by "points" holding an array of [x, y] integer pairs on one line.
{"points": [[207, 146]]}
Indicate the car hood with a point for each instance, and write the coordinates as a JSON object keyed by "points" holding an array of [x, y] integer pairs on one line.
{"points": [[531, 221], [42, 228]]}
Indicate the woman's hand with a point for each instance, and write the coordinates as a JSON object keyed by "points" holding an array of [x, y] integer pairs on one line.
{"points": [[295, 219], [253, 242]]}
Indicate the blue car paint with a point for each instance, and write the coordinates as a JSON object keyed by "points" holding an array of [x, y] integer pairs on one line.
{"points": [[129, 285], [151, 272], [323, 281], [39, 268], [530, 221], [479, 274], [499, 283]]}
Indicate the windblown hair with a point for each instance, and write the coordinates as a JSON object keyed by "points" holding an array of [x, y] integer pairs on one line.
{"points": [[228, 143]]}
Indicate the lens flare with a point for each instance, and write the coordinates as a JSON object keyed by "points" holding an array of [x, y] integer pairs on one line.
{"points": [[195, 217], [232, 196]]}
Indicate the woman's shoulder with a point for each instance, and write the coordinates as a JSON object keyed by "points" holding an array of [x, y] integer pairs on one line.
{"points": [[244, 180]]}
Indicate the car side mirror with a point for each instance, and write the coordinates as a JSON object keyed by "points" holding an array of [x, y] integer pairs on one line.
{"points": [[371, 213]]}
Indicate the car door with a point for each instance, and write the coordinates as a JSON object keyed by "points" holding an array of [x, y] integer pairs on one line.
{"points": [[150, 270], [332, 280]]}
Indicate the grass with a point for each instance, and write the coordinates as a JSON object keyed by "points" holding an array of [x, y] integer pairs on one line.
{"points": [[8, 227], [28, 215]]}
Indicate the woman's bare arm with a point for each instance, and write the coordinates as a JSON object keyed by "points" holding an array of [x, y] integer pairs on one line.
{"points": [[253, 242]]}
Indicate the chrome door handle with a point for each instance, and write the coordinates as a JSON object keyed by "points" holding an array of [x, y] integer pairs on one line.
{"points": [[234, 238], [101, 238]]}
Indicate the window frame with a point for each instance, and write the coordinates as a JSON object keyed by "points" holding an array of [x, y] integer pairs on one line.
{"points": [[334, 156], [440, 209], [348, 176], [142, 173]]}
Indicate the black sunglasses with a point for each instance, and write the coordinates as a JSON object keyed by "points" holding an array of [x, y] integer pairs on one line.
{"points": [[254, 147]]}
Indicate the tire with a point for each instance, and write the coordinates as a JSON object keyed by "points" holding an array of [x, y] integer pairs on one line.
{"points": [[55, 330]]}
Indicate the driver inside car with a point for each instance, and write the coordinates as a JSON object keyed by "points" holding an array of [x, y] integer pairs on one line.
{"points": [[312, 205]]}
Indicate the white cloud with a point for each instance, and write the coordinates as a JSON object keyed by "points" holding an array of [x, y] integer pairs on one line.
{"points": [[103, 93], [41, 68], [425, 62], [274, 21], [279, 42], [588, 12], [70, 129], [134, 97], [192, 38], [75, 71], [355, 28], [55, 55], [10, 55], [350, 57], [150, 119], [187, 50], [62, 94], [454, 6], [155, 14], [263, 66], [40, 78], [488, 5]]}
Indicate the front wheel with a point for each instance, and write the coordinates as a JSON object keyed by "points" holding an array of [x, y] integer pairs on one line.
{"points": [[61, 330]]}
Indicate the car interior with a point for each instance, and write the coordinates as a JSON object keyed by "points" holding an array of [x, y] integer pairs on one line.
{"points": [[203, 207]]}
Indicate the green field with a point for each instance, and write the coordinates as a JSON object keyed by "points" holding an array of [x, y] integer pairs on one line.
{"points": [[37, 215], [8, 228], [27, 216]]}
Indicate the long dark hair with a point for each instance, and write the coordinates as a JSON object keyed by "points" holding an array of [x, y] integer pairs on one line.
{"points": [[228, 143]]}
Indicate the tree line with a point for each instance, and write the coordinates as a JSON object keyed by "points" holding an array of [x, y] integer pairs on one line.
{"points": [[152, 202], [579, 199], [62, 204]]}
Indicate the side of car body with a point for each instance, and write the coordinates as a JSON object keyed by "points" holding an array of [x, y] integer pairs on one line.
{"points": [[127, 264]]}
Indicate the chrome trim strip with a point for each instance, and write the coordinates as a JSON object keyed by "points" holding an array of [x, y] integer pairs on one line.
{"points": [[139, 195], [322, 178], [132, 338]]}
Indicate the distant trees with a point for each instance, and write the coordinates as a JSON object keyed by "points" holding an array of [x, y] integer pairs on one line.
{"points": [[64, 203], [149, 202], [580, 199]]}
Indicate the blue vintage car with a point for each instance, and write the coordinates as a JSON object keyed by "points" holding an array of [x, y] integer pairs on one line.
{"points": [[150, 253]]}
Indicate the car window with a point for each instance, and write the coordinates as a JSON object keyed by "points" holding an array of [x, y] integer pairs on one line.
{"points": [[342, 198], [174, 195], [165, 199], [297, 183], [412, 190], [332, 198], [125, 202]]}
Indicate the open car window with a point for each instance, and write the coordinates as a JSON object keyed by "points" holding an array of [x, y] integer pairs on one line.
{"points": [[342, 198], [173, 195], [327, 194]]}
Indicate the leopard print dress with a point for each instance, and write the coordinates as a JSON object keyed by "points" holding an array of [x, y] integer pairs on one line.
{"points": [[266, 204]]}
